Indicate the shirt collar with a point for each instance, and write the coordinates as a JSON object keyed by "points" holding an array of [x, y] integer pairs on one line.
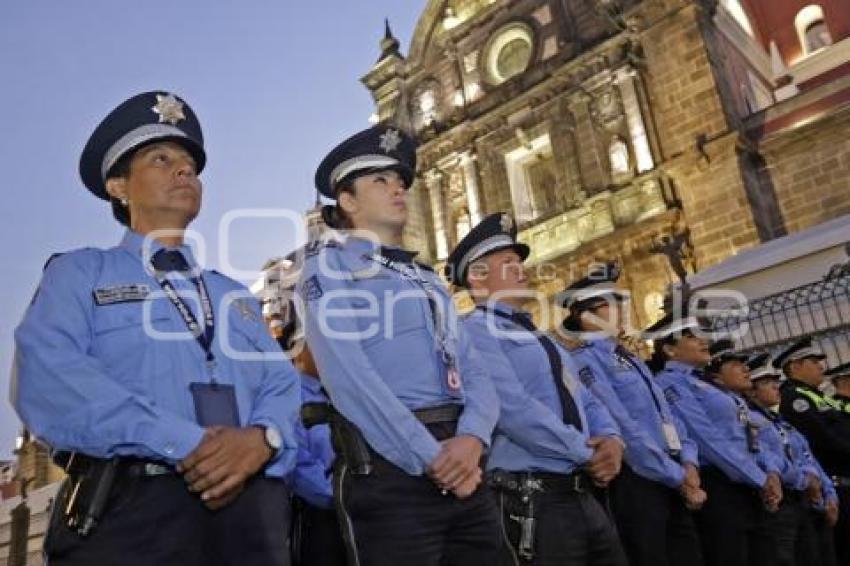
{"points": [[608, 344], [501, 307], [143, 248], [673, 365]]}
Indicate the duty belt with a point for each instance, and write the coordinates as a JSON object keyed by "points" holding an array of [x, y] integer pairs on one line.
{"points": [[313, 414], [543, 481]]}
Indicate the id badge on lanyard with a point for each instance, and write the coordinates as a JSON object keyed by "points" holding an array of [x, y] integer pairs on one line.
{"points": [[215, 403], [453, 382], [671, 437]]}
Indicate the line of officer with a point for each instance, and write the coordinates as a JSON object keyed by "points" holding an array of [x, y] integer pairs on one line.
{"points": [[176, 448], [717, 419], [808, 492], [661, 464], [381, 329], [821, 421], [553, 439]]}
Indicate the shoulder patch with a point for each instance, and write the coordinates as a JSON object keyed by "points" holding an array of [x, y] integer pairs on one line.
{"points": [[801, 405], [312, 289], [671, 394], [313, 248], [586, 375]]}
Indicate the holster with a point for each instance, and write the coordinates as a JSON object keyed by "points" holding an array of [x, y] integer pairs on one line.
{"points": [[82, 500], [522, 489], [347, 440]]}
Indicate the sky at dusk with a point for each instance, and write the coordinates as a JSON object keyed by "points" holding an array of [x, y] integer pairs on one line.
{"points": [[274, 83]]}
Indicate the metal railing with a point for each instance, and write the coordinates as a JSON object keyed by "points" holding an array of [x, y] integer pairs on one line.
{"points": [[820, 309]]}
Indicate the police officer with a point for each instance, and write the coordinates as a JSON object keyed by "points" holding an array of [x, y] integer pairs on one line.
{"points": [[808, 492], [661, 465], [839, 376], [153, 379], [553, 439], [316, 537], [821, 421], [382, 330], [717, 419]]}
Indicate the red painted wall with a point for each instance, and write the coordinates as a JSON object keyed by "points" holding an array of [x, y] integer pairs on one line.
{"points": [[773, 20]]}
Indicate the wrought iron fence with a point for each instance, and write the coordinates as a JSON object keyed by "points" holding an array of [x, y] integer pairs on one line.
{"points": [[820, 309]]}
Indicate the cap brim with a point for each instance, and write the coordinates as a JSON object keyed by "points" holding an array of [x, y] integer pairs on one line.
{"points": [[90, 168]]}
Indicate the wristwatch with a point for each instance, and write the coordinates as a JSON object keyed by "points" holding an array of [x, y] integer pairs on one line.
{"points": [[273, 439]]}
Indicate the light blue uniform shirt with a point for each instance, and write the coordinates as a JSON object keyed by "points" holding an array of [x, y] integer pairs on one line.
{"points": [[531, 434], [712, 419], [772, 455], [311, 479], [806, 461], [627, 388], [371, 331], [89, 377]]}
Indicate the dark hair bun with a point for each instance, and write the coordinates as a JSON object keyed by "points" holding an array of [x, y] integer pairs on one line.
{"points": [[330, 216]]}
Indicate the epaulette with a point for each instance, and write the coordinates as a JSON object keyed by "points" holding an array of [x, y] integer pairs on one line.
{"points": [[51, 258]]}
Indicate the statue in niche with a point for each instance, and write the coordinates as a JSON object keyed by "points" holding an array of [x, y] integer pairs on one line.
{"points": [[462, 224], [607, 109], [618, 153]]}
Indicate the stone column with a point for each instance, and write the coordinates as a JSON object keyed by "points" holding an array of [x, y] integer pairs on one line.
{"points": [[470, 182], [434, 180], [625, 79]]}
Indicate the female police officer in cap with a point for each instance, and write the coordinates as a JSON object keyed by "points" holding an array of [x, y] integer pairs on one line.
{"points": [[149, 374], [380, 327], [661, 471]]}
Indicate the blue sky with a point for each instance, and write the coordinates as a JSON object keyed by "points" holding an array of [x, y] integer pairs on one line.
{"points": [[275, 84]]}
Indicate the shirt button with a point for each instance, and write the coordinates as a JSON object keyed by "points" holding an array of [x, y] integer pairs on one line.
{"points": [[169, 449]]}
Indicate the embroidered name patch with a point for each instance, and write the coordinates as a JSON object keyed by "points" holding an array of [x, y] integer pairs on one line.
{"points": [[121, 294]]}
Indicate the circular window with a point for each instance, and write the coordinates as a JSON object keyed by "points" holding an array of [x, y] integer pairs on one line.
{"points": [[509, 52]]}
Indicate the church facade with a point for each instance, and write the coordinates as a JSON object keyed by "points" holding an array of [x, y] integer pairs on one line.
{"points": [[606, 126]]}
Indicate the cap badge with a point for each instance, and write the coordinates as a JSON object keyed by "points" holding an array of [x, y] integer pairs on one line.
{"points": [[169, 108], [390, 140], [507, 223]]}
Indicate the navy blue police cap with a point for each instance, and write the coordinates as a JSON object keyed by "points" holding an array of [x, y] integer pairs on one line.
{"points": [[494, 233], [838, 372], [799, 350], [723, 351], [381, 147], [595, 289], [761, 367], [669, 327], [143, 119]]}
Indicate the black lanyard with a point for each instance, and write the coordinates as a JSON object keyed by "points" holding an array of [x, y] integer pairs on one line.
{"points": [[412, 274], [625, 356], [204, 336], [743, 410], [569, 409], [778, 424]]}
